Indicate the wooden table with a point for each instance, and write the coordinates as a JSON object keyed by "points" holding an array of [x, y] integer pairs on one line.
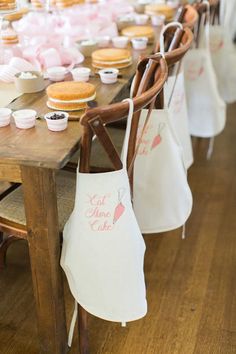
{"points": [[32, 157]]}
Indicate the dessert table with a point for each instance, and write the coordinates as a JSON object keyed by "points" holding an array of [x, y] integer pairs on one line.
{"points": [[32, 157]]}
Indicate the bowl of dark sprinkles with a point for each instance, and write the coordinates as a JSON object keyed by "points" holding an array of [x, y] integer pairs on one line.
{"points": [[57, 121]]}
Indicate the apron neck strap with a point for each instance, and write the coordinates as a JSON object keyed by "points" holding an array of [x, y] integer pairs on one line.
{"points": [[179, 64], [127, 132], [204, 28], [207, 24], [162, 39], [139, 140]]}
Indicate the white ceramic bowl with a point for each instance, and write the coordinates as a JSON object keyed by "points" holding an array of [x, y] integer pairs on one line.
{"points": [[140, 5], [139, 43], [57, 125], [158, 20], [56, 73], [109, 76], [120, 41], [5, 116], [81, 74], [25, 118], [103, 41], [141, 19]]}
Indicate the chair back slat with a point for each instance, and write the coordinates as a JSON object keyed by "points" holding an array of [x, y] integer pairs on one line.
{"points": [[191, 17]]}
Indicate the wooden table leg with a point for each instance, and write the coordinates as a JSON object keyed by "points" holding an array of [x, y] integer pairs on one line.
{"points": [[44, 248], [83, 330]]}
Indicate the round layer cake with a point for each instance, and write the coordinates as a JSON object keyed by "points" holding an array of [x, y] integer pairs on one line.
{"points": [[63, 4], [9, 37], [111, 58], [7, 5], [78, 2], [15, 16], [70, 95], [139, 31], [160, 9]]}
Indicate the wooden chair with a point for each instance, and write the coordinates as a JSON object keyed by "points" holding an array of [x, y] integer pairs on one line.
{"points": [[179, 46], [190, 17], [202, 9], [12, 215]]}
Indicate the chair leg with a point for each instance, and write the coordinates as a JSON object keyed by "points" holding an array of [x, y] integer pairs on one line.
{"points": [[5, 242], [83, 330]]}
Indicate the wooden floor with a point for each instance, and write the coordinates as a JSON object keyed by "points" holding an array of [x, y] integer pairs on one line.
{"points": [[191, 284]]}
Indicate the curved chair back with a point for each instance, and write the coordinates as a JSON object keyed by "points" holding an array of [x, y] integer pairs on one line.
{"points": [[179, 46], [191, 16], [95, 119]]}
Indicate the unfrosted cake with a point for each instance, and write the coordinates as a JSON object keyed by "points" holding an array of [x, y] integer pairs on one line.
{"points": [[7, 5]]}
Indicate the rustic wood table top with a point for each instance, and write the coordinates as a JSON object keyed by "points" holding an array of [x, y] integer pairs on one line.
{"points": [[40, 147]]}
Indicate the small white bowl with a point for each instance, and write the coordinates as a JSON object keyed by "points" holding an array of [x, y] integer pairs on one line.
{"points": [[120, 41], [109, 76], [5, 116], [158, 20], [56, 73], [140, 5], [57, 125], [103, 41], [141, 19], [139, 43], [81, 74], [125, 21], [25, 118]]}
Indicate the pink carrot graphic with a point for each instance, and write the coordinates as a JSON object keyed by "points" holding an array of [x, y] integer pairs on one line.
{"points": [[216, 45], [201, 71], [120, 208], [157, 139]]}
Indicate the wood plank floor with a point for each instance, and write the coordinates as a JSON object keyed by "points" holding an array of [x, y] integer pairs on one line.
{"points": [[191, 284]]}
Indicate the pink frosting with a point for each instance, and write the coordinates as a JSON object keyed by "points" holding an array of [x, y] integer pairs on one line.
{"points": [[47, 40]]}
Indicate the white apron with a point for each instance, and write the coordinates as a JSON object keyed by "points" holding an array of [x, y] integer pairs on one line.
{"points": [[223, 53], [161, 195], [228, 16], [206, 109], [162, 198], [103, 249], [174, 91]]}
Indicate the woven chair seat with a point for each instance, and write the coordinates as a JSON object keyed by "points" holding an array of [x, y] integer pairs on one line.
{"points": [[12, 206]]}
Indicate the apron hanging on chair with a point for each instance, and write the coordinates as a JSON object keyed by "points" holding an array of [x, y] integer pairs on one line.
{"points": [[103, 249], [223, 54], [162, 198], [206, 109]]}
